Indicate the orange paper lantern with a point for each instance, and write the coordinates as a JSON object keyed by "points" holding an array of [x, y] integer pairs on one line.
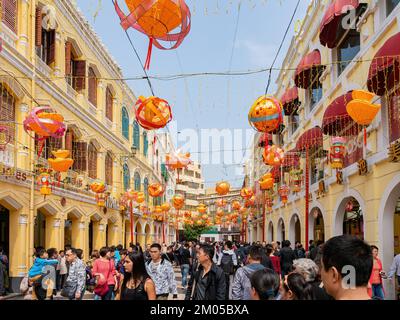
{"points": [[236, 205], [177, 160], [202, 208], [155, 189], [246, 193], [98, 187], [266, 181], [221, 203], [153, 113], [250, 202], [273, 156], [165, 207], [140, 197], [157, 19], [266, 114], [61, 163], [222, 188], [178, 201], [360, 109]]}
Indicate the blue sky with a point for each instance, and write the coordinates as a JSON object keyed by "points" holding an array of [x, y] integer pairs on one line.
{"points": [[213, 101]]}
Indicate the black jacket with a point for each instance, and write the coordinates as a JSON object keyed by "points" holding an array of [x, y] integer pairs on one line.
{"points": [[287, 256], [266, 261], [216, 285]]}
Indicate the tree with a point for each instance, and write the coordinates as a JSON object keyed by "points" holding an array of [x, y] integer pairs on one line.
{"points": [[194, 232]]}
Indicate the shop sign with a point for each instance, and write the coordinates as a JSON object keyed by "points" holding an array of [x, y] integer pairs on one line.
{"points": [[394, 152], [362, 167], [6, 171]]}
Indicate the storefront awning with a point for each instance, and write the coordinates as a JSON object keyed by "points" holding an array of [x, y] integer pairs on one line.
{"points": [[384, 71], [290, 101], [310, 139], [331, 30], [309, 70], [336, 121]]}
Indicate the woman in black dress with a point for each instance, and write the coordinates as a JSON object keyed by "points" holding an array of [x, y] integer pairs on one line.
{"points": [[136, 284]]}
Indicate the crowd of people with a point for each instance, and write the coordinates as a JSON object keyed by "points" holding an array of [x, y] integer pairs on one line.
{"points": [[218, 271]]}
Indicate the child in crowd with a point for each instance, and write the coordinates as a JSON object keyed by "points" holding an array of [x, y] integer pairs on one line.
{"points": [[36, 273]]}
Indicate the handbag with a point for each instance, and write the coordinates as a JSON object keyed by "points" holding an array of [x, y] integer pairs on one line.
{"points": [[69, 289], [102, 289]]}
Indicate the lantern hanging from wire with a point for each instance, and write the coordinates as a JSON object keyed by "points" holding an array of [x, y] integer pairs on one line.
{"points": [[266, 181], [362, 110], [99, 188], [156, 189], [178, 201], [337, 152], [140, 197], [45, 123], [202, 208], [273, 156], [284, 193], [246, 193], [157, 19], [152, 113], [250, 202], [60, 162], [45, 182], [176, 161], [266, 114], [236, 205], [221, 203], [222, 188], [165, 207]]}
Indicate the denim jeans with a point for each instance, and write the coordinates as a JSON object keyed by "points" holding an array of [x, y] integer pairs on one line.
{"points": [[184, 271], [377, 291]]}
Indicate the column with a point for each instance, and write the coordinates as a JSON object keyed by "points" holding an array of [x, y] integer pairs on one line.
{"points": [[59, 56], [22, 160], [23, 44], [100, 100], [78, 233], [101, 155], [53, 232], [99, 234], [19, 255], [115, 115]]}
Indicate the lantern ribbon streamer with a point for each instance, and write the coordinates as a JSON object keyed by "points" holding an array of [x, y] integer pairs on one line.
{"points": [[148, 58]]}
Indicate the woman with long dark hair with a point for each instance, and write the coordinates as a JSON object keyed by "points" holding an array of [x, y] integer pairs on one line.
{"points": [[136, 284]]}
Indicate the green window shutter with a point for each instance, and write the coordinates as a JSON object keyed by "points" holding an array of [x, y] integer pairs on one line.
{"points": [[136, 135], [127, 177], [145, 144], [125, 124]]}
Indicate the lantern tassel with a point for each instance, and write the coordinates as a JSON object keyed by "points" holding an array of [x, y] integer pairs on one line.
{"points": [[148, 58]]}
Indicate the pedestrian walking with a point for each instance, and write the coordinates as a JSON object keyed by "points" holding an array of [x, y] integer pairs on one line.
{"points": [[228, 262], [104, 271], [338, 254], [184, 263], [265, 285], [295, 287], [395, 271], [63, 268], [136, 283], [287, 256], [375, 284], [241, 286], [299, 250], [275, 260], [74, 287], [208, 281], [4, 279], [162, 273]]}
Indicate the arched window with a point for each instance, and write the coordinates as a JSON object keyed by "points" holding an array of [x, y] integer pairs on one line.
{"points": [[145, 187], [109, 104], [127, 177], [92, 86], [136, 135], [92, 161], [137, 181], [145, 144], [109, 169], [7, 112], [125, 123]]}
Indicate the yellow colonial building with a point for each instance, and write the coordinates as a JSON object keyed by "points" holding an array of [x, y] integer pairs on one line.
{"points": [[51, 57], [337, 50]]}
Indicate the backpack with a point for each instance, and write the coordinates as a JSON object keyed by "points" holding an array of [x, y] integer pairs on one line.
{"points": [[227, 263]]}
